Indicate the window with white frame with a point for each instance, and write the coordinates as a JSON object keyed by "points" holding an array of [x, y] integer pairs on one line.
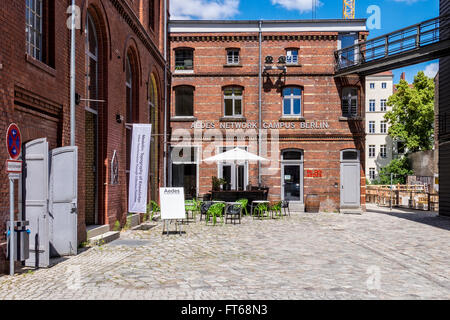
{"points": [[383, 127], [184, 59], [233, 56], [372, 105], [383, 85], [372, 173], [292, 56], [371, 126], [34, 29], [233, 102], [383, 151], [371, 151], [292, 101], [372, 85], [383, 104]]}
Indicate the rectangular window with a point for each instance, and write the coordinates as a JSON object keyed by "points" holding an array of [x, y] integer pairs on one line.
{"points": [[372, 105], [292, 56], [349, 54], [383, 85], [233, 102], [371, 126], [233, 56], [350, 102], [383, 127], [383, 104], [34, 28], [184, 169], [184, 101], [372, 151], [184, 59], [292, 101], [383, 151], [372, 173], [372, 85]]}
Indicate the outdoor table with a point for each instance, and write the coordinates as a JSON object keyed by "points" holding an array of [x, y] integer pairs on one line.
{"points": [[255, 204]]}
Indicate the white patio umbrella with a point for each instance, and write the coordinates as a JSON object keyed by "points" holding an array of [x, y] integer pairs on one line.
{"points": [[235, 155]]}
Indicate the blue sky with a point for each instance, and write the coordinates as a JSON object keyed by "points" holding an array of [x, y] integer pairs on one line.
{"points": [[395, 14]]}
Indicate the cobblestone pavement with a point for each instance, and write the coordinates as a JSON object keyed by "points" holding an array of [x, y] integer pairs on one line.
{"points": [[377, 255]]}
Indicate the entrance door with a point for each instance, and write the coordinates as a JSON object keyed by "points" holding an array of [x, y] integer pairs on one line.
{"points": [[350, 179], [291, 182], [292, 175], [36, 205], [63, 201]]}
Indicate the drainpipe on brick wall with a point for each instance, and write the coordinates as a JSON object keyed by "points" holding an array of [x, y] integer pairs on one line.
{"points": [[72, 77], [165, 94], [260, 100]]}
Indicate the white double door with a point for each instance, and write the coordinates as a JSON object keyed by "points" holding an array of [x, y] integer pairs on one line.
{"points": [[234, 173]]}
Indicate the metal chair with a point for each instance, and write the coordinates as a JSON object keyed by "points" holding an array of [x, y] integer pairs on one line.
{"points": [[204, 207], [233, 213], [284, 206]]}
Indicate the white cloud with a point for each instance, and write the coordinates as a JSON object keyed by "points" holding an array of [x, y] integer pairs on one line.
{"points": [[203, 9], [431, 70], [300, 5]]}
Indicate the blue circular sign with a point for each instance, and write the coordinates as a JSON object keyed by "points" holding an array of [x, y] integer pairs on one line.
{"points": [[13, 141]]}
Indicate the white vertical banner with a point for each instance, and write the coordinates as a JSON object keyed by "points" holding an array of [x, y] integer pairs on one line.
{"points": [[139, 167]]}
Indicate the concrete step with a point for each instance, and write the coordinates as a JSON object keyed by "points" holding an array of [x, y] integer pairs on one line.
{"points": [[105, 238], [96, 230], [134, 220], [351, 210], [296, 207]]}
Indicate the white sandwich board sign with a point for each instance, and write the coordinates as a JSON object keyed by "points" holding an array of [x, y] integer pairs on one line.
{"points": [[172, 203]]}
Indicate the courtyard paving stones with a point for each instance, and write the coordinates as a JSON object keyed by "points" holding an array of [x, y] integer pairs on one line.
{"points": [[377, 255]]}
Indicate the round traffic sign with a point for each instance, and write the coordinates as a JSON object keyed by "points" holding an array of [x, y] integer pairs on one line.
{"points": [[13, 141]]}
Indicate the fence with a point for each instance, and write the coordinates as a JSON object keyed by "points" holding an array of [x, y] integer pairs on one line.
{"points": [[405, 196]]}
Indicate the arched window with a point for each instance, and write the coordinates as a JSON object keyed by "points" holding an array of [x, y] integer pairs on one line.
{"points": [[292, 155], [129, 89], [233, 101], [292, 101], [91, 64], [350, 102]]}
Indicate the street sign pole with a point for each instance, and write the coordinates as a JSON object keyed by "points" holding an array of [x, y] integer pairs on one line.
{"points": [[14, 168], [11, 226]]}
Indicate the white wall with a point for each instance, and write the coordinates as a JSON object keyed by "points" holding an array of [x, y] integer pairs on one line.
{"points": [[377, 138]]}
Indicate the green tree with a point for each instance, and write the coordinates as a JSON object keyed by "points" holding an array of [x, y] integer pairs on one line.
{"points": [[412, 116], [399, 167]]}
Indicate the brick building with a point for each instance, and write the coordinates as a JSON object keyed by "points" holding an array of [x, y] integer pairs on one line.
{"points": [[119, 65], [302, 118]]}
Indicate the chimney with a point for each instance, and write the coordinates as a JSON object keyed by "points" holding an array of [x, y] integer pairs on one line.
{"points": [[403, 76]]}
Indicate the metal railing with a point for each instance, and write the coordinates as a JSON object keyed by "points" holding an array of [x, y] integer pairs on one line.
{"points": [[397, 42], [418, 197]]}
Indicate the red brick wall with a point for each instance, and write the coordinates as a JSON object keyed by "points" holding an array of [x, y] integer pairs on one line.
{"points": [[37, 96], [321, 101]]}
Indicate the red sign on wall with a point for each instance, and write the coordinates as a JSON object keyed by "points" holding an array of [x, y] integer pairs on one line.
{"points": [[314, 173]]}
